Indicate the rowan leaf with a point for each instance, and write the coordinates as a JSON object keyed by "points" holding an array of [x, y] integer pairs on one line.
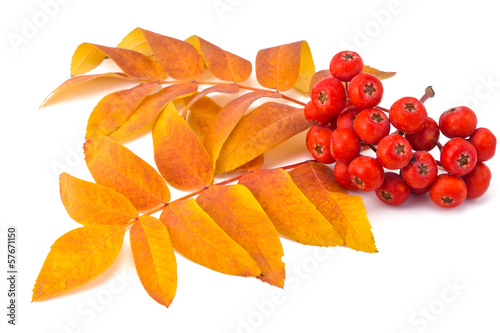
{"points": [[76, 258], [286, 66], [252, 164], [226, 120], [179, 155], [134, 64], [378, 73], [115, 109], [114, 166], [178, 58], [136, 41], [262, 129], [94, 204], [150, 107], [77, 80], [293, 215], [222, 64], [204, 111], [239, 214], [197, 237], [319, 75], [218, 88], [345, 212], [154, 259]]}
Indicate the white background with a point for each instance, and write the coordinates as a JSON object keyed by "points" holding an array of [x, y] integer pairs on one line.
{"points": [[423, 249]]}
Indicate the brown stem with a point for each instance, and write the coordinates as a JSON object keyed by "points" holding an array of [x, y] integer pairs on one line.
{"points": [[372, 147], [382, 109], [288, 98], [429, 92], [190, 195], [440, 146]]}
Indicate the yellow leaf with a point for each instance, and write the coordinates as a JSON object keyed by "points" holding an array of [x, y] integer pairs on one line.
{"points": [[88, 56], [345, 212], [115, 109], [114, 166], [154, 259], [76, 258], [293, 215], [262, 129], [285, 66], [178, 152], [77, 80], [222, 64], [238, 213], [197, 237], [378, 73], [149, 109], [93, 204], [136, 41], [226, 120]]}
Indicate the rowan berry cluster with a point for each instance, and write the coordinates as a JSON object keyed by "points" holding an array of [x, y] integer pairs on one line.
{"points": [[346, 119]]}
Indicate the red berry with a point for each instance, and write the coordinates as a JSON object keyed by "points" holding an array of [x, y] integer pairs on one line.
{"points": [[458, 156], [340, 172], [365, 91], [421, 171], [393, 191], [458, 122], [448, 191], [345, 145], [345, 65], [477, 181], [408, 114], [318, 144], [371, 125], [366, 173], [394, 152], [425, 139], [315, 117], [485, 143], [329, 96], [346, 117]]}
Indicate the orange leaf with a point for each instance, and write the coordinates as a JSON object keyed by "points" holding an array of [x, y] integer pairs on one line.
{"points": [[149, 109], [221, 88], [378, 73], [252, 164], [345, 212], [179, 59], [197, 237], [319, 75], [222, 64], [77, 80], [292, 214], [285, 66], [115, 109], [114, 166], [93, 204], [265, 127], [76, 258], [178, 152], [238, 213], [226, 120], [204, 111], [136, 41], [88, 56], [154, 259]]}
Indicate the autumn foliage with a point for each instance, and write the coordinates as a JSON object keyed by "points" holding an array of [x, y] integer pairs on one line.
{"points": [[233, 227]]}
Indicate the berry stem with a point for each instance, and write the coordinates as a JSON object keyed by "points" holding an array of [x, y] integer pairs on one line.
{"points": [[440, 146], [372, 147], [429, 92], [382, 109]]}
